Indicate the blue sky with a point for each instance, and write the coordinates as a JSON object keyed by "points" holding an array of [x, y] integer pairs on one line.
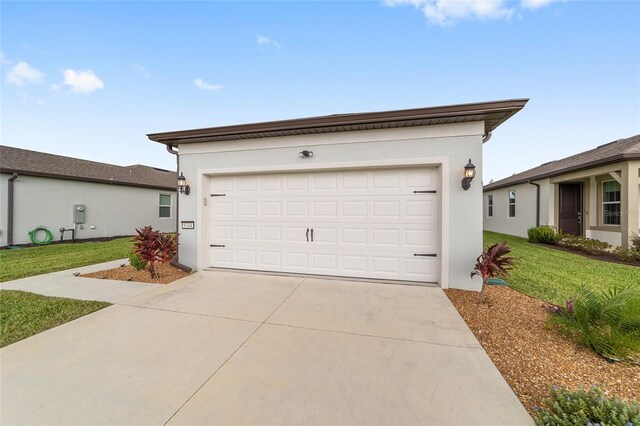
{"points": [[90, 79]]}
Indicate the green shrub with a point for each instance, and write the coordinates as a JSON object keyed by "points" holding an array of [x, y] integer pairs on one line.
{"points": [[542, 234], [579, 242], [586, 408], [631, 254], [635, 241], [134, 260], [607, 321]]}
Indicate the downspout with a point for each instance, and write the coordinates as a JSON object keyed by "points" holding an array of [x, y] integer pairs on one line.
{"points": [[176, 260], [486, 137], [171, 150], [537, 201], [10, 209]]}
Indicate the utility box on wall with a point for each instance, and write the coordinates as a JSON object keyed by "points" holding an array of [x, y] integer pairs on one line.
{"points": [[79, 211]]}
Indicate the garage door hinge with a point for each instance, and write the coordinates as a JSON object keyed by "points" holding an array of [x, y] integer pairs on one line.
{"points": [[218, 195], [217, 245], [425, 254], [433, 191]]}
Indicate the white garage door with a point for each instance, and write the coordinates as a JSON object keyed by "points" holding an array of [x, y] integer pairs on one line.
{"points": [[377, 223]]}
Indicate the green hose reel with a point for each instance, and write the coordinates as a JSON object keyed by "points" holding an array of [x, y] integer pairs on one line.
{"points": [[48, 236]]}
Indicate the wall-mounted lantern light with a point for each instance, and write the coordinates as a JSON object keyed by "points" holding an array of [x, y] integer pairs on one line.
{"points": [[469, 174], [306, 154], [183, 188]]}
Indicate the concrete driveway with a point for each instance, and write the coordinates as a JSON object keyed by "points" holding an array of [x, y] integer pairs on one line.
{"points": [[233, 348]]}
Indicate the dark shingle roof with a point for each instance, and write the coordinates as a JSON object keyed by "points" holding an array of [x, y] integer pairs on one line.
{"points": [[620, 150], [34, 163]]}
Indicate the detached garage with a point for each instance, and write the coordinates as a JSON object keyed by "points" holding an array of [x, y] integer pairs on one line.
{"points": [[367, 195]]}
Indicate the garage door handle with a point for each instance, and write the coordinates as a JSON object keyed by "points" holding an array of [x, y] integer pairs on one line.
{"points": [[425, 254], [311, 234], [307, 234]]}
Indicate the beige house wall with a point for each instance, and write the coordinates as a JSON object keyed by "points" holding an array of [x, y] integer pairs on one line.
{"points": [[627, 173]]}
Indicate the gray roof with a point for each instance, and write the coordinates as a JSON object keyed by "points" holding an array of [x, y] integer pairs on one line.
{"points": [[492, 113], [620, 150], [34, 163]]}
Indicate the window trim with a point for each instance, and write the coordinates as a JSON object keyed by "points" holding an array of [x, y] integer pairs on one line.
{"points": [[160, 205], [490, 205], [510, 203], [603, 203]]}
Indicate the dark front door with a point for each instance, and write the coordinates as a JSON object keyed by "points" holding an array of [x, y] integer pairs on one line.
{"points": [[571, 208]]}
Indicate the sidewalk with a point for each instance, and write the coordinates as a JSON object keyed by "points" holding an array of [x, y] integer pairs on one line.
{"points": [[65, 284]]}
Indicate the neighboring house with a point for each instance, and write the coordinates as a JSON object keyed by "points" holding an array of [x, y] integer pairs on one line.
{"points": [[594, 193], [371, 195], [94, 199]]}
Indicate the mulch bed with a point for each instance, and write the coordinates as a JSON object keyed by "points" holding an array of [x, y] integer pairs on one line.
{"points": [[531, 357], [167, 274]]}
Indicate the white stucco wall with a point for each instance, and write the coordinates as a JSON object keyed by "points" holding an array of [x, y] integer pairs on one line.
{"points": [[453, 144], [112, 209], [525, 217], [613, 238]]}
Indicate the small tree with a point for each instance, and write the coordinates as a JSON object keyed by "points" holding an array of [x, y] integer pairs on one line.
{"points": [[153, 247], [493, 263]]}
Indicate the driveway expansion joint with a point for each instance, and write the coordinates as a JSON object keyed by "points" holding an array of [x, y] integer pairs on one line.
{"points": [[233, 353], [189, 313], [476, 347]]}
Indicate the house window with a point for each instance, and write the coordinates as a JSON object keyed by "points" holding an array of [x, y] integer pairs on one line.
{"points": [[165, 205], [490, 206], [512, 203], [611, 203]]}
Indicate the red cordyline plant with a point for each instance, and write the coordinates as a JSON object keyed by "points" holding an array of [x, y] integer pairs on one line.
{"points": [[153, 247], [492, 263]]}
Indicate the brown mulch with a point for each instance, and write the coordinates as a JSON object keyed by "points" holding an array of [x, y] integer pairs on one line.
{"points": [[531, 357], [167, 274]]}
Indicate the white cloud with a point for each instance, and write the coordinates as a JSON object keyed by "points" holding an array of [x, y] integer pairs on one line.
{"points": [[445, 12], [266, 41], [201, 84], [82, 81], [22, 73], [536, 4]]}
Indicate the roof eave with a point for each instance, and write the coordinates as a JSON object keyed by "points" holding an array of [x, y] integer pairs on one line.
{"points": [[602, 162], [84, 179], [511, 107]]}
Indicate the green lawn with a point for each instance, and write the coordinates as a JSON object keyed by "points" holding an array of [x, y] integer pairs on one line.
{"points": [[553, 275], [24, 314], [28, 261]]}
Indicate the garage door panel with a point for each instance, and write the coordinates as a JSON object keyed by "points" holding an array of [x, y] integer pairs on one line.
{"points": [[271, 234], [270, 259], [385, 209], [270, 209], [366, 223], [296, 209]]}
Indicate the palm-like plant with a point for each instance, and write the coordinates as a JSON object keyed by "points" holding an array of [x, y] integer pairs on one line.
{"points": [[493, 263], [607, 321]]}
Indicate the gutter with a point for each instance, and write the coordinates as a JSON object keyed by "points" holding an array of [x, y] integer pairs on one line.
{"points": [[530, 182], [10, 184]]}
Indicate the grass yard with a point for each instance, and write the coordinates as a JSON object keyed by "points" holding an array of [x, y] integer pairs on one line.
{"points": [[552, 275], [30, 261], [24, 314]]}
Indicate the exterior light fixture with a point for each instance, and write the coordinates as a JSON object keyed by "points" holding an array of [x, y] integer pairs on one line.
{"points": [[306, 154], [183, 188], [469, 174]]}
